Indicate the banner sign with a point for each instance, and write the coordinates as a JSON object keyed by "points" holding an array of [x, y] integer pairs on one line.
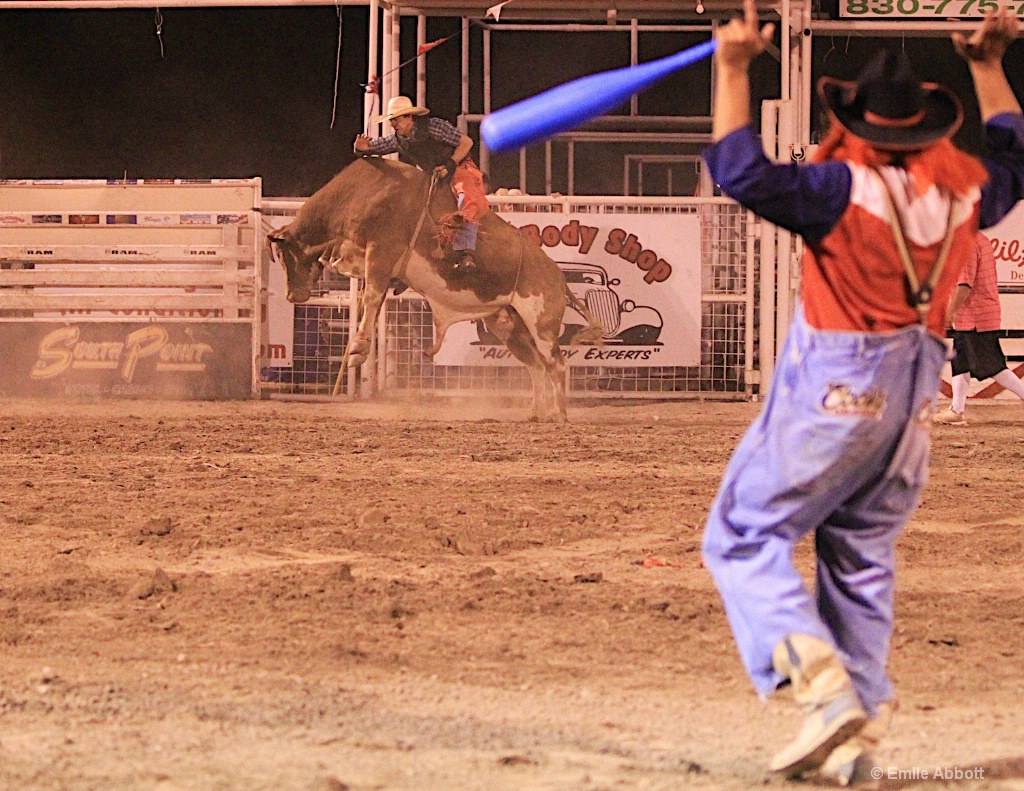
{"points": [[208, 360], [638, 274], [920, 9]]}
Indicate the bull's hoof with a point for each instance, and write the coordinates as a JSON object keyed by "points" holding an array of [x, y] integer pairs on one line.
{"points": [[555, 418], [355, 360]]}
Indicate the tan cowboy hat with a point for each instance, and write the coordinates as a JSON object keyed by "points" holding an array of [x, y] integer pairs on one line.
{"points": [[398, 106], [890, 108]]}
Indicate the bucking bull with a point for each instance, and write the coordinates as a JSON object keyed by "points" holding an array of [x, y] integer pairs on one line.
{"points": [[380, 220]]}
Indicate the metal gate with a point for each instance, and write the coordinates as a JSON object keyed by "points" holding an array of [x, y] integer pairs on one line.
{"points": [[137, 288]]}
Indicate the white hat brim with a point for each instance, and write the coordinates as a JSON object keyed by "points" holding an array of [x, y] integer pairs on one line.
{"points": [[409, 111]]}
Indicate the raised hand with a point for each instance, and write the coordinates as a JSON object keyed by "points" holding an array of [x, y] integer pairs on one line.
{"points": [[742, 40], [988, 43], [362, 143]]}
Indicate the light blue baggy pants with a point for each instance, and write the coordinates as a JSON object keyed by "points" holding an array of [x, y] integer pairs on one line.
{"points": [[841, 450], [465, 237]]}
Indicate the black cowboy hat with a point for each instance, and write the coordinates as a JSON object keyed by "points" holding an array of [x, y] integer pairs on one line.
{"points": [[890, 108]]}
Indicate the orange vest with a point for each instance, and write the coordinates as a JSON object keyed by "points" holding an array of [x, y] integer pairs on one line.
{"points": [[854, 279]]}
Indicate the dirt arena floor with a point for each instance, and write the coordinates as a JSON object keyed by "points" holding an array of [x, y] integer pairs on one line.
{"points": [[443, 597]]}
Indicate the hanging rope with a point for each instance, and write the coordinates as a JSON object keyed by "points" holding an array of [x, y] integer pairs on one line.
{"points": [[159, 22], [337, 68]]}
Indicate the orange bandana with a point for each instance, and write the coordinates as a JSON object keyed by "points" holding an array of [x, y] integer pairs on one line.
{"points": [[941, 164]]}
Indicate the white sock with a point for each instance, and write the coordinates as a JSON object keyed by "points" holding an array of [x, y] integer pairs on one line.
{"points": [[960, 384], [1009, 380]]}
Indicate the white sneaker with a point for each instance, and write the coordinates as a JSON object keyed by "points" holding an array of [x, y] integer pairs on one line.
{"points": [[950, 418]]}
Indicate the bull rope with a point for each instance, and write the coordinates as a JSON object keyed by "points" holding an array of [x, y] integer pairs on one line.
{"points": [[404, 261], [519, 271], [402, 264]]}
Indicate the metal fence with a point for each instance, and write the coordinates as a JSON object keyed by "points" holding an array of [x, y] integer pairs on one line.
{"points": [[728, 332]]}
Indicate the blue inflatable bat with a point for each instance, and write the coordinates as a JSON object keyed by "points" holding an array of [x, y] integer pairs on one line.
{"points": [[567, 106]]}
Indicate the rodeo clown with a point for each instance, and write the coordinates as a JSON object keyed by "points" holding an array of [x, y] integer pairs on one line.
{"points": [[888, 213], [434, 145]]}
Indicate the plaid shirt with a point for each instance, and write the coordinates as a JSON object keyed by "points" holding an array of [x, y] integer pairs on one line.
{"points": [[437, 128]]}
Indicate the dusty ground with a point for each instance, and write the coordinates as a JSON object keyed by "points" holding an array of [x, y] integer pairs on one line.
{"points": [[301, 596]]}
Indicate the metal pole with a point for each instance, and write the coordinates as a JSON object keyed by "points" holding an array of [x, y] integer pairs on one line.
{"points": [[784, 46], [766, 342], [572, 168], [806, 67], [369, 99], [381, 345], [748, 324], [421, 61], [784, 259], [547, 167], [714, 70], [71, 5], [634, 58], [387, 56], [368, 103], [602, 28], [485, 155], [349, 376], [465, 65], [396, 51], [255, 218], [796, 84]]}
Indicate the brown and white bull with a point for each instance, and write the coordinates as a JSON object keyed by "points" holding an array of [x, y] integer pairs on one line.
{"points": [[373, 221]]}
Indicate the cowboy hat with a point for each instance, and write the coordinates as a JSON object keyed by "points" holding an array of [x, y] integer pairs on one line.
{"points": [[890, 108], [400, 105]]}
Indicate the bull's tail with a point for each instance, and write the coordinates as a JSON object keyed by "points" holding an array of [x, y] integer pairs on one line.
{"points": [[592, 334]]}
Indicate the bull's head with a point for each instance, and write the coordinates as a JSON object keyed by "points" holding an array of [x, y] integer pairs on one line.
{"points": [[302, 268]]}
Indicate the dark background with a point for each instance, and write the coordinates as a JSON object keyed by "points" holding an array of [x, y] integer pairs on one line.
{"points": [[249, 92]]}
